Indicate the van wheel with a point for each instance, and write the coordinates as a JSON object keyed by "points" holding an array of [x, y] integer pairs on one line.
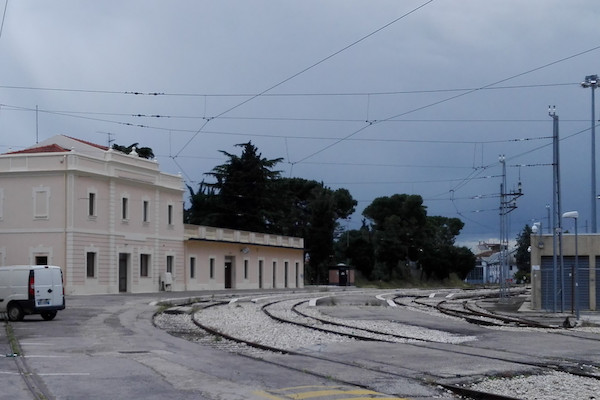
{"points": [[15, 313], [48, 315]]}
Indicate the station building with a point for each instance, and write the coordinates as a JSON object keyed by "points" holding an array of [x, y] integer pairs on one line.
{"points": [[114, 223], [556, 287]]}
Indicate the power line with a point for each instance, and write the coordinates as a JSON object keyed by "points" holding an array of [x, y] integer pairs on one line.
{"points": [[307, 69], [81, 115], [370, 123], [75, 113], [3, 17], [311, 94]]}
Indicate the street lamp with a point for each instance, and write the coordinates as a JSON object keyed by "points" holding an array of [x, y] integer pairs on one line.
{"points": [[574, 283], [591, 81]]}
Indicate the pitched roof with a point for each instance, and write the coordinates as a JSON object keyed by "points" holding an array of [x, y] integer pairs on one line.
{"points": [[62, 143], [51, 148], [89, 143]]}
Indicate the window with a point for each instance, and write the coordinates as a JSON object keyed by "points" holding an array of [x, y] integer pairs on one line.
{"points": [[144, 264], [90, 264], [124, 208], [92, 204], [245, 269], [41, 202], [145, 210], [274, 274], [170, 214], [192, 267], [212, 268], [170, 260], [41, 260]]}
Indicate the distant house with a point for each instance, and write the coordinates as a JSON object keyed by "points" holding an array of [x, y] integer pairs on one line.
{"points": [[488, 262], [114, 223]]}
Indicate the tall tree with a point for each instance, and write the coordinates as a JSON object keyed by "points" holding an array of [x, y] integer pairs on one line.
{"points": [[361, 252], [204, 206], [439, 257], [523, 256], [310, 209], [399, 224], [243, 185]]}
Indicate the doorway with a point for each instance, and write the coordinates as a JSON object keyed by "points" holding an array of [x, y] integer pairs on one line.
{"points": [[228, 273], [123, 269], [260, 273]]}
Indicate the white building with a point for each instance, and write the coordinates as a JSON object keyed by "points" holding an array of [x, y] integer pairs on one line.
{"points": [[114, 223]]}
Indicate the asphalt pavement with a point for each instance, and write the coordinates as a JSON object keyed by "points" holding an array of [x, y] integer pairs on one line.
{"points": [[105, 347]]}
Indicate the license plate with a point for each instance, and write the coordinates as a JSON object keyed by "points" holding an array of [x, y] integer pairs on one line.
{"points": [[43, 302]]}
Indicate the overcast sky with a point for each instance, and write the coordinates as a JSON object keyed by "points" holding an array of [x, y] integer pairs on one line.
{"points": [[379, 97]]}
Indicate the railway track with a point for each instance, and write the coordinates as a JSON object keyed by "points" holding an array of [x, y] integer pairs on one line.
{"points": [[297, 317]]}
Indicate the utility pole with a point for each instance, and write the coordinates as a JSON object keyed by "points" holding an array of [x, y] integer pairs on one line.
{"points": [[508, 203], [557, 258], [591, 81]]}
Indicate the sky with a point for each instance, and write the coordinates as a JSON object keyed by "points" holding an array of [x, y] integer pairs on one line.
{"points": [[378, 97]]}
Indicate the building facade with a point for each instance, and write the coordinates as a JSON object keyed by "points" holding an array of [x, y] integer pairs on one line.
{"points": [[114, 223], [554, 286], [232, 259]]}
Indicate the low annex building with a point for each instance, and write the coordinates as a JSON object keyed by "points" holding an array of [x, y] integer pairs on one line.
{"points": [[114, 223], [555, 287]]}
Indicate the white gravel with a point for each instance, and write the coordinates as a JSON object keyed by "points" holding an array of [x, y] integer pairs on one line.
{"points": [[247, 321], [393, 328], [554, 385]]}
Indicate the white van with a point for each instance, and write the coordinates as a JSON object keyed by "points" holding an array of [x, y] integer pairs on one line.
{"points": [[31, 289]]}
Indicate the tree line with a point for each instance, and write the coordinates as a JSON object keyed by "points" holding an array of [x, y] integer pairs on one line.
{"points": [[397, 236]]}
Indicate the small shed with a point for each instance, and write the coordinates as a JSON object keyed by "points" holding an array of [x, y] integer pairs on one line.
{"points": [[341, 275]]}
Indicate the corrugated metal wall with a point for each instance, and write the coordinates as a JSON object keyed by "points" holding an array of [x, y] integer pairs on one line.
{"points": [[583, 288]]}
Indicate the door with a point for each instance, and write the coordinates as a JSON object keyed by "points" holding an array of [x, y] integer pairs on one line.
{"points": [[123, 266], [260, 274], [48, 287], [343, 281], [228, 273]]}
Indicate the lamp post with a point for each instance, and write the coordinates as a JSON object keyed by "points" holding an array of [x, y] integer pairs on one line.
{"points": [[574, 282], [591, 81], [549, 224]]}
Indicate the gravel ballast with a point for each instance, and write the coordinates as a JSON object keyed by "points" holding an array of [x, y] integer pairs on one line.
{"points": [[246, 320]]}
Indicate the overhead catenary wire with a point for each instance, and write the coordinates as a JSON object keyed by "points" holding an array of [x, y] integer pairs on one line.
{"points": [[3, 17], [447, 99], [254, 134], [321, 61], [284, 94]]}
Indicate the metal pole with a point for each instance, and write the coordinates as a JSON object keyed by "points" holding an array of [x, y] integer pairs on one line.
{"points": [[557, 258], [594, 200], [591, 81], [503, 244], [576, 274]]}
